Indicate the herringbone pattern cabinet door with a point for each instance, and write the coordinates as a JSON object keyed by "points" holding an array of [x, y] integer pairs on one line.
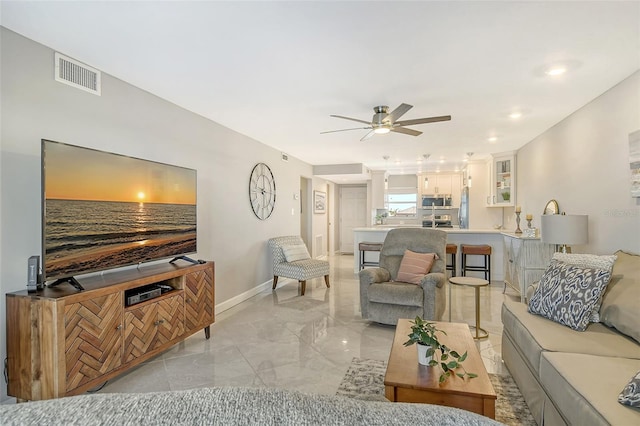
{"points": [[199, 299], [140, 331], [93, 338], [170, 319]]}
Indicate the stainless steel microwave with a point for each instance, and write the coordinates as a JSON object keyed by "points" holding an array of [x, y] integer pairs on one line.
{"points": [[437, 200]]}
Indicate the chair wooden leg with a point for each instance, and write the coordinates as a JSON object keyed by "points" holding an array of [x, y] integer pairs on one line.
{"points": [[303, 287], [275, 281], [326, 281]]}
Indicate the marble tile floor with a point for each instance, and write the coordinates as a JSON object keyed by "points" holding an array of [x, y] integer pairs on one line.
{"points": [[284, 340]]}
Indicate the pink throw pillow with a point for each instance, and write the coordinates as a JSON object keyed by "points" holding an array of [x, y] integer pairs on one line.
{"points": [[414, 266]]}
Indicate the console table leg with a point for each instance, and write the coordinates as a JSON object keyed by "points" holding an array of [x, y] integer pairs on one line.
{"points": [[207, 332]]}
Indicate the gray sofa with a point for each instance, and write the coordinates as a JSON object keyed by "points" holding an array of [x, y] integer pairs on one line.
{"points": [[230, 406], [572, 377]]}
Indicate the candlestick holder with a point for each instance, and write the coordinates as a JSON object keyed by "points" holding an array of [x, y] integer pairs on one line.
{"points": [[518, 230], [529, 223]]}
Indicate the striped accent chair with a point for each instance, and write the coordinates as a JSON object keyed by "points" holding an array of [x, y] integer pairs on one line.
{"points": [[383, 299], [302, 269]]}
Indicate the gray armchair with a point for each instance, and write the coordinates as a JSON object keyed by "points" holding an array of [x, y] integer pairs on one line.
{"points": [[384, 300]]}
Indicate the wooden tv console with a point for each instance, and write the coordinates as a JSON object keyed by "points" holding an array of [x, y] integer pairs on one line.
{"points": [[61, 341]]}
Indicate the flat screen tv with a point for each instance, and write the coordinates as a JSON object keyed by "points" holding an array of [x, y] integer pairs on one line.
{"points": [[102, 210]]}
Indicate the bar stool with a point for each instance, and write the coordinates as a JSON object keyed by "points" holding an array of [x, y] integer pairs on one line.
{"points": [[452, 249], [364, 247], [483, 250]]}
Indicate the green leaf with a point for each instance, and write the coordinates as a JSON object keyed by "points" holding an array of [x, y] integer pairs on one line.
{"points": [[433, 363], [453, 364], [444, 366], [463, 357], [454, 354], [444, 357], [472, 375], [442, 378], [461, 375]]}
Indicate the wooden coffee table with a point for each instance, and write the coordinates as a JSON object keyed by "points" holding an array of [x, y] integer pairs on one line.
{"points": [[408, 381]]}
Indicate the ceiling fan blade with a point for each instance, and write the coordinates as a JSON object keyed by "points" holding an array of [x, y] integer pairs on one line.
{"points": [[399, 112], [349, 118], [368, 135], [422, 120], [344, 130], [406, 131]]}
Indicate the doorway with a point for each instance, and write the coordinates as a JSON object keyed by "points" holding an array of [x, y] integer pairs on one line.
{"points": [[353, 214]]}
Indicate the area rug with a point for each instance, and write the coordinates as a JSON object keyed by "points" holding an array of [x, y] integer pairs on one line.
{"points": [[365, 380]]}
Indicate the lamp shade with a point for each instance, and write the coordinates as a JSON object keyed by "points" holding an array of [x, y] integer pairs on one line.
{"points": [[564, 229]]}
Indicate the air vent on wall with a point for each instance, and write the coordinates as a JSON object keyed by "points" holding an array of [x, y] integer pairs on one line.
{"points": [[76, 74]]}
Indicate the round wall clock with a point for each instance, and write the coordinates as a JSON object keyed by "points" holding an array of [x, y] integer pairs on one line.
{"points": [[262, 191]]}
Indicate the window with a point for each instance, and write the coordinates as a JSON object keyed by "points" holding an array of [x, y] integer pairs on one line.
{"points": [[402, 204]]}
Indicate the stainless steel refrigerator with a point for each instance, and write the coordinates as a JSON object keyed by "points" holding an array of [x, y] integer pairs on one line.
{"points": [[463, 211]]}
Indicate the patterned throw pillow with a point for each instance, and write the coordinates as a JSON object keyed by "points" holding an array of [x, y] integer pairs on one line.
{"points": [[567, 294], [592, 261], [630, 395], [295, 252], [414, 266]]}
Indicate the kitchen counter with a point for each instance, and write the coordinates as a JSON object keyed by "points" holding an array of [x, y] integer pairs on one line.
{"points": [[493, 237], [455, 230]]}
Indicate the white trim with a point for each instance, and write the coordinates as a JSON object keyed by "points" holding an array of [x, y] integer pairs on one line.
{"points": [[228, 304]]}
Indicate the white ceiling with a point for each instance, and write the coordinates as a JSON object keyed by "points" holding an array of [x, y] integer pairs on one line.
{"points": [[275, 71]]}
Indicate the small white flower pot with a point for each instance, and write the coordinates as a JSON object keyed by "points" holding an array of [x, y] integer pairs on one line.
{"points": [[422, 354]]}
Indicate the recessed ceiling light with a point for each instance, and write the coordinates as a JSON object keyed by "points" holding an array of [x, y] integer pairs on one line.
{"points": [[557, 67], [492, 139], [555, 71], [515, 115]]}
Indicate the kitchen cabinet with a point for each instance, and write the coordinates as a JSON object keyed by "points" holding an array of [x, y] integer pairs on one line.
{"points": [[502, 180], [525, 260], [440, 184]]}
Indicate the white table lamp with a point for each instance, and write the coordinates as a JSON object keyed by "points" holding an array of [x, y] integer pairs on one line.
{"points": [[564, 229]]}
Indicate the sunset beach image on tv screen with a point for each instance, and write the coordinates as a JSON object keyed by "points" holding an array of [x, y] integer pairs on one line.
{"points": [[103, 210]]}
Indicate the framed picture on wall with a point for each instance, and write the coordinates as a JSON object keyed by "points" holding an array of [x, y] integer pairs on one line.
{"points": [[319, 202]]}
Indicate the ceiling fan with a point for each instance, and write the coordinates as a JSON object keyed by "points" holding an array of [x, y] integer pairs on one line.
{"points": [[384, 121]]}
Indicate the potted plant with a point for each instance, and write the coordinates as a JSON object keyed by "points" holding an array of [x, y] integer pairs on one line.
{"points": [[431, 352], [506, 196]]}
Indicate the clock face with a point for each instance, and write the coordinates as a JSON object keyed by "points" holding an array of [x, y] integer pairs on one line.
{"points": [[262, 191]]}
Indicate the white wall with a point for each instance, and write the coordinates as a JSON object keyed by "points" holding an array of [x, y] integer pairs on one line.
{"points": [[583, 163], [130, 121], [481, 216]]}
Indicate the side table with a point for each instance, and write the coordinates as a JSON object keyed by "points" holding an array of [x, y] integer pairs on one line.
{"points": [[476, 283]]}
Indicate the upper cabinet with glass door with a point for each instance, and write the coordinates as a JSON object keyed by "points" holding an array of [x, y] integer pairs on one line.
{"points": [[502, 180]]}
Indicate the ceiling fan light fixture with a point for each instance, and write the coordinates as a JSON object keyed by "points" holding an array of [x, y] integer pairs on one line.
{"points": [[381, 130]]}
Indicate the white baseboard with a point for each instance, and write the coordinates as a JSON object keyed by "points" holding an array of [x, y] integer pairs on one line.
{"points": [[228, 304]]}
